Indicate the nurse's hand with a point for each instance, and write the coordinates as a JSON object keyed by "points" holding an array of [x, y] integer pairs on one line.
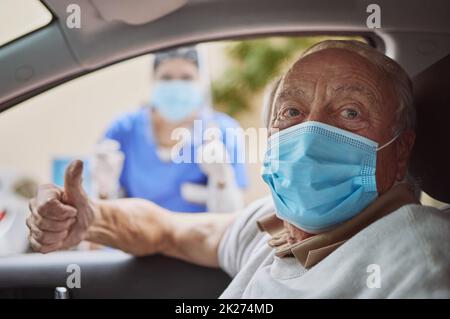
{"points": [[60, 218]]}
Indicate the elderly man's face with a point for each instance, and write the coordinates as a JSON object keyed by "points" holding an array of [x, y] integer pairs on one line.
{"points": [[340, 88]]}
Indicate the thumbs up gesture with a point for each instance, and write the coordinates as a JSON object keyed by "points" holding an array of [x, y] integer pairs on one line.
{"points": [[60, 218]]}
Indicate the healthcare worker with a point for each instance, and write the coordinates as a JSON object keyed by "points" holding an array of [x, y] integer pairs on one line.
{"points": [[179, 98]]}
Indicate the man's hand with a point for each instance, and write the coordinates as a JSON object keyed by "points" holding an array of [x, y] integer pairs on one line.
{"points": [[60, 219]]}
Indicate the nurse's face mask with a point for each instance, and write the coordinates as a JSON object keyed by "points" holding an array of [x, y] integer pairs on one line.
{"points": [[320, 175], [176, 100]]}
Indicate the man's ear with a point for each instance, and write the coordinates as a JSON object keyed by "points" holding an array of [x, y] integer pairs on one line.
{"points": [[273, 107], [404, 148]]}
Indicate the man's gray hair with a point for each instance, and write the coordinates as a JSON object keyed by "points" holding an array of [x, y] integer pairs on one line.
{"points": [[406, 113]]}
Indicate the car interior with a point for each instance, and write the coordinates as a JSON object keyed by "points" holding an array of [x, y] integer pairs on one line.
{"points": [[415, 33]]}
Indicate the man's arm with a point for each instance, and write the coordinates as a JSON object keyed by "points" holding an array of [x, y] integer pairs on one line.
{"points": [[61, 218], [140, 227]]}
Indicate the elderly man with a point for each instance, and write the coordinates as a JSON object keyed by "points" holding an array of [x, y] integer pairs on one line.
{"points": [[343, 220]]}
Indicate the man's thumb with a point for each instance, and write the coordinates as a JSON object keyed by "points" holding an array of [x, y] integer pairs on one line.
{"points": [[73, 190]]}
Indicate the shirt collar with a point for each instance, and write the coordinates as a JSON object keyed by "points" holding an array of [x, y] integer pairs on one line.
{"points": [[312, 250]]}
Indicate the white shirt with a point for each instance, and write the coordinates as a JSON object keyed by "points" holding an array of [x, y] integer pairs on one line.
{"points": [[406, 254]]}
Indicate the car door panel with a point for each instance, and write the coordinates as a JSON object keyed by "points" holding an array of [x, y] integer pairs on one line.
{"points": [[107, 274]]}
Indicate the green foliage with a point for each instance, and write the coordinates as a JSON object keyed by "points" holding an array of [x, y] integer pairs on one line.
{"points": [[253, 65]]}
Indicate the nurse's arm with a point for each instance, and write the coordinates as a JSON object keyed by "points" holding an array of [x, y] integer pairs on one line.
{"points": [[140, 227]]}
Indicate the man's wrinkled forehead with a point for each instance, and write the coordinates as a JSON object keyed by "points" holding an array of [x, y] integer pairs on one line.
{"points": [[346, 71], [331, 60]]}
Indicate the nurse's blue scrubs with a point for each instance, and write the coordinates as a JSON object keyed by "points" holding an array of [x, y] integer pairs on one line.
{"points": [[144, 175]]}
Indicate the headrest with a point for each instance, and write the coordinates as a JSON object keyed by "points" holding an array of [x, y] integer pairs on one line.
{"points": [[430, 162]]}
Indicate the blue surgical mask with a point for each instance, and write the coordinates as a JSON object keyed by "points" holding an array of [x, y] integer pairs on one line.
{"points": [[175, 100], [320, 175]]}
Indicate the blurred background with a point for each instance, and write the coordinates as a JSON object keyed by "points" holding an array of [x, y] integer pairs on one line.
{"points": [[69, 120]]}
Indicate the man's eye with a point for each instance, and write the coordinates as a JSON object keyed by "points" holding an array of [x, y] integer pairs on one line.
{"points": [[291, 112], [350, 114]]}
